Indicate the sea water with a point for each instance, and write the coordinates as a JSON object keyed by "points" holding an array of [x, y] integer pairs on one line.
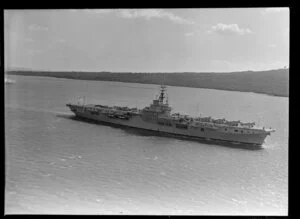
{"points": [[55, 164]]}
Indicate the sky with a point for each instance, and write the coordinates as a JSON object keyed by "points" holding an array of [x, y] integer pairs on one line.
{"points": [[147, 40]]}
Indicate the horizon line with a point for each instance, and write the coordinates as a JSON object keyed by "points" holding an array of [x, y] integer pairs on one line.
{"points": [[82, 71]]}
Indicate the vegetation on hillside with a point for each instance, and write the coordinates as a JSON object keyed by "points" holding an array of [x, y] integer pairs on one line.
{"points": [[272, 82]]}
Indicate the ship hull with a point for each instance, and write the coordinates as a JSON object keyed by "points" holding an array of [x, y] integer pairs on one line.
{"points": [[137, 121]]}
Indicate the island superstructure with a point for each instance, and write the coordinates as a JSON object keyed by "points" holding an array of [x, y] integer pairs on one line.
{"points": [[158, 117]]}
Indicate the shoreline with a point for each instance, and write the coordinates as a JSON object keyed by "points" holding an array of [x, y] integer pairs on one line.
{"points": [[235, 81]]}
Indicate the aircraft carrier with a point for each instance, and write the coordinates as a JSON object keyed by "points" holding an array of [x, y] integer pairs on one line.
{"points": [[158, 117]]}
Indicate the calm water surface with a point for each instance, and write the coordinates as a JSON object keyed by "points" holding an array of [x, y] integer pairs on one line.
{"points": [[57, 165]]}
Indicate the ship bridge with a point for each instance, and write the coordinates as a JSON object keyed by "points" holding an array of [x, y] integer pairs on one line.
{"points": [[159, 106]]}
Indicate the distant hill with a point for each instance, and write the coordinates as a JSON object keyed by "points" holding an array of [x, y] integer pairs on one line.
{"points": [[272, 82]]}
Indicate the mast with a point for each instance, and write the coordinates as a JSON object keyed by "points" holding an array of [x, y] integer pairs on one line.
{"points": [[162, 93]]}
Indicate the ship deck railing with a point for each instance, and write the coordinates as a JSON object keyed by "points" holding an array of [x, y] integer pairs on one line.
{"points": [[111, 108]]}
